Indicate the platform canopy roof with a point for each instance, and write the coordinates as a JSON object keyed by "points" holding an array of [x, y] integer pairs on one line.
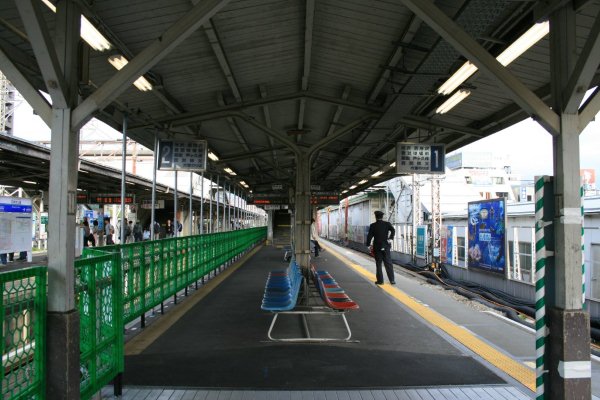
{"points": [[346, 78]]}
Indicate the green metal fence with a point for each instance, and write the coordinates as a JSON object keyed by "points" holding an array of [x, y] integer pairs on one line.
{"points": [[23, 311], [113, 285], [155, 270], [98, 291]]}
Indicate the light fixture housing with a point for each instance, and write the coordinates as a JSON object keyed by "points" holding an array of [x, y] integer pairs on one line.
{"points": [[376, 174], [213, 156], [352, 187], [363, 181], [119, 61], [533, 35], [88, 32], [229, 171], [453, 101]]}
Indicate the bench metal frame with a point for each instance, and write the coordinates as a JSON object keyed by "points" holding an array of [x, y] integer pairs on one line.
{"points": [[308, 310]]}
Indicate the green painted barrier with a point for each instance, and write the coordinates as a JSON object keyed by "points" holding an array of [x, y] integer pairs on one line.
{"points": [[113, 285], [23, 309], [98, 297]]}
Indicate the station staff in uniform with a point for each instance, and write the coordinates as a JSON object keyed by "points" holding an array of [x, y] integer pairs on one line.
{"points": [[382, 233]]}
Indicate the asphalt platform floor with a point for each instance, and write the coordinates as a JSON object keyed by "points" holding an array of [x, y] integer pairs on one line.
{"points": [[221, 342]]}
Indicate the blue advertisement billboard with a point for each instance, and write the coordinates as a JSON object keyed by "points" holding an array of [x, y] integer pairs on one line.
{"points": [[487, 235], [421, 241]]}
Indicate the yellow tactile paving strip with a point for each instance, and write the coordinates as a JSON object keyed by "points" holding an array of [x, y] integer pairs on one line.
{"points": [[513, 368]]}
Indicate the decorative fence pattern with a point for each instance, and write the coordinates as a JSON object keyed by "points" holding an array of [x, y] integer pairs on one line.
{"points": [[23, 311], [114, 285], [98, 292]]}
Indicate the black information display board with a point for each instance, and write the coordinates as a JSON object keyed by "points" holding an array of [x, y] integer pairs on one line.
{"points": [[325, 198], [180, 155], [103, 198]]}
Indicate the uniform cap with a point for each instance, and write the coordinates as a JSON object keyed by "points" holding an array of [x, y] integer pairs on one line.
{"points": [[378, 214]]}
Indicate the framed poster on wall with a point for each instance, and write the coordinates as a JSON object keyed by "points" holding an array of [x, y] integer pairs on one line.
{"points": [[487, 235]]}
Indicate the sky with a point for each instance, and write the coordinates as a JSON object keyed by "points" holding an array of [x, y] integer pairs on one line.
{"points": [[527, 143]]}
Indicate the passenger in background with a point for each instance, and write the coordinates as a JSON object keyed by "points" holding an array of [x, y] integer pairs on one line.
{"points": [[86, 233], [169, 229], [156, 230], [138, 235], [94, 234], [109, 231], [382, 243], [314, 236]]}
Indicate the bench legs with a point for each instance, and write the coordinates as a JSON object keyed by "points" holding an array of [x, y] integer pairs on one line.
{"points": [[308, 337]]}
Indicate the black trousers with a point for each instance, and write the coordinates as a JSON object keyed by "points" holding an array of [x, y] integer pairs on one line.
{"points": [[386, 257]]}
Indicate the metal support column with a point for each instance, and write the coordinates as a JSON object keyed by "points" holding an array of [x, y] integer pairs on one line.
{"points": [[63, 380], [568, 343], [175, 196], [210, 216], [302, 205], [191, 210], [122, 237], [417, 214], [436, 220], [217, 219], [153, 234], [202, 203]]}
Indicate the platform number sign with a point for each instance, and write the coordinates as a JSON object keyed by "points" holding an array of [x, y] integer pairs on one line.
{"points": [[189, 155], [419, 158]]}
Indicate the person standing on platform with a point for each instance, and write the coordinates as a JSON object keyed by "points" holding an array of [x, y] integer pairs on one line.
{"points": [[314, 236], [109, 231], [382, 233], [169, 229]]}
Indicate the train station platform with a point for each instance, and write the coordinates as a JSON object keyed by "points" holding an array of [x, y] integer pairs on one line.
{"points": [[409, 341]]}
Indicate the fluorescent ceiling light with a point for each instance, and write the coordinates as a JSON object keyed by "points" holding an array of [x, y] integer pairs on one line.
{"points": [[376, 174], [392, 165], [88, 32], [520, 46], [229, 171], [30, 182], [344, 191], [453, 101], [457, 78], [363, 181], [118, 61], [213, 156], [352, 187]]}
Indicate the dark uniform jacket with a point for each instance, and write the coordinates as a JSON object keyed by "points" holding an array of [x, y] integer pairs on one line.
{"points": [[379, 231]]}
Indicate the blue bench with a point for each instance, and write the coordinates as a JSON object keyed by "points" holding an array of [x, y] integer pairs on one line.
{"points": [[282, 288]]}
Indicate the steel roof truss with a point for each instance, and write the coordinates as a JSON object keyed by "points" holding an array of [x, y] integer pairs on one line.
{"points": [[145, 60], [27, 90], [584, 71], [467, 46], [44, 50], [589, 109]]}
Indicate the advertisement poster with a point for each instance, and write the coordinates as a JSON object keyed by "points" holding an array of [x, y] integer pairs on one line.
{"points": [[446, 244], [421, 241], [487, 235]]}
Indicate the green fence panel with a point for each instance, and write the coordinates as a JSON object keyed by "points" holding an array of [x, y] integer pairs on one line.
{"points": [[23, 310], [99, 298]]}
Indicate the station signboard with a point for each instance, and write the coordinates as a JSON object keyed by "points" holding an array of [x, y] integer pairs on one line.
{"points": [[182, 155], [15, 224], [105, 198], [158, 205], [487, 235], [419, 158]]}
